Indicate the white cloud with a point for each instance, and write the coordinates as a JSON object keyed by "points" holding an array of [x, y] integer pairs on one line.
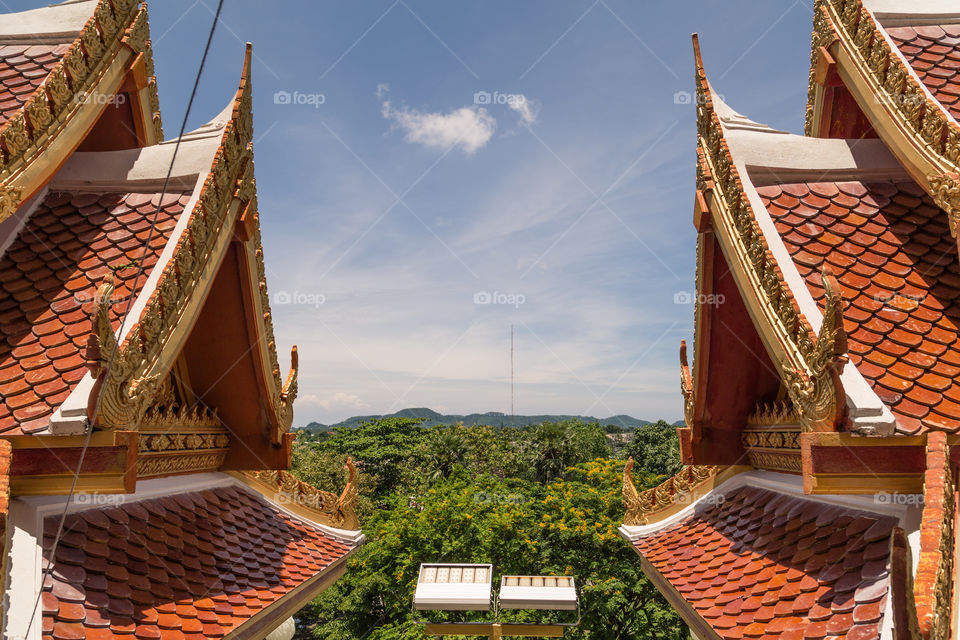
{"points": [[339, 400], [470, 128], [526, 108], [382, 89]]}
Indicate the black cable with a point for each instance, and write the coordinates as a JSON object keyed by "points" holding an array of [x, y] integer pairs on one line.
{"points": [[126, 313]]}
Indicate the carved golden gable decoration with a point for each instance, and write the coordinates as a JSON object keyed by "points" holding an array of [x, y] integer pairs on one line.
{"points": [[680, 490], [66, 93], [809, 362], [130, 375], [321, 506]]}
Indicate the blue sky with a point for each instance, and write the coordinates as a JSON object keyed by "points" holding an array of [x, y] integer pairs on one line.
{"points": [[389, 206]]}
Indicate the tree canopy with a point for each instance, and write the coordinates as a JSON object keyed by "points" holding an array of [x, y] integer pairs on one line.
{"points": [[541, 499]]}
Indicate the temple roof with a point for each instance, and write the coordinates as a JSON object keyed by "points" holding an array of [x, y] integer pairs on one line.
{"points": [[848, 208], [755, 563], [23, 68], [66, 70], [190, 565], [888, 245], [50, 272], [933, 53]]}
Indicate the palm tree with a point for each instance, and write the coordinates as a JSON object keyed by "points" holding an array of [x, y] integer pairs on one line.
{"points": [[447, 448], [552, 440]]}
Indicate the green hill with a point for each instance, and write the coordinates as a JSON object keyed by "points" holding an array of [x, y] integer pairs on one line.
{"points": [[432, 418]]}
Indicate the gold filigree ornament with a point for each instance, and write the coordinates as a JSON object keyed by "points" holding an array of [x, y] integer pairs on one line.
{"points": [[123, 390], [686, 385], [16, 140], [946, 194], [10, 198], [676, 490], [816, 391], [336, 511]]}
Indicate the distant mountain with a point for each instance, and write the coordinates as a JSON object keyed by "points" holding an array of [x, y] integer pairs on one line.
{"points": [[492, 418]]}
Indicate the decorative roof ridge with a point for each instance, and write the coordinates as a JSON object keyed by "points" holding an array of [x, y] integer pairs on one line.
{"points": [[673, 494], [302, 498], [808, 360], [6, 450], [932, 130], [934, 582], [113, 25], [142, 353]]}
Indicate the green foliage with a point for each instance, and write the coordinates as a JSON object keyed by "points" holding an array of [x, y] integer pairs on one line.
{"points": [[382, 448], [655, 449], [446, 449], [543, 499], [558, 445]]}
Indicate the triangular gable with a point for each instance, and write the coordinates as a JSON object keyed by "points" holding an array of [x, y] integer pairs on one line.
{"points": [[808, 362]]}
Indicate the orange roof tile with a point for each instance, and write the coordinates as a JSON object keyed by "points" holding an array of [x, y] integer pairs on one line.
{"points": [[48, 277], [900, 276], [190, 565], [934, 53], [761, 564], [23, 68]]}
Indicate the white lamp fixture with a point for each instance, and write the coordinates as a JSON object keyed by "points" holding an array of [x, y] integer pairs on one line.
{"points": [[538, 592], [454, 587]]}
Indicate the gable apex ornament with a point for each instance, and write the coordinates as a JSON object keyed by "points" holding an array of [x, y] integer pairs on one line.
{"points": [[686, 385]]}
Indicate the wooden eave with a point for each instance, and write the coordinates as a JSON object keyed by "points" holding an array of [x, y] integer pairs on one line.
{"points": [[111, 53], [47, 465]]}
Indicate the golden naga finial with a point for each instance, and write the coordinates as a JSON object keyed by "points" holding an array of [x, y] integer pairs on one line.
{"points": [[631, 499], [686, 385], [347, 504], [283, 400], [101, 342], [817, 392], [123, 388], [289, 392]]}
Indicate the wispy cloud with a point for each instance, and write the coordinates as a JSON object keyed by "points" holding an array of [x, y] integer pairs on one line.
{"points": [[469, 128], [337, 402], [525, 107]]}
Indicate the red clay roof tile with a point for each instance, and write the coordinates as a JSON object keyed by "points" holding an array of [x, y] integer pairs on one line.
{"points": [[154, 592], [23, 69], [41, 354], [901, 322], [839, 590], [935, 56]]}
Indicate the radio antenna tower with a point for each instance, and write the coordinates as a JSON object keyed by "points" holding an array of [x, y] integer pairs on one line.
{"points": [[511, 376]]}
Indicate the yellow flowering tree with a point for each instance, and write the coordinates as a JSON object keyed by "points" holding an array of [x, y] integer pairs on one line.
{"points": [[566, 527]]}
